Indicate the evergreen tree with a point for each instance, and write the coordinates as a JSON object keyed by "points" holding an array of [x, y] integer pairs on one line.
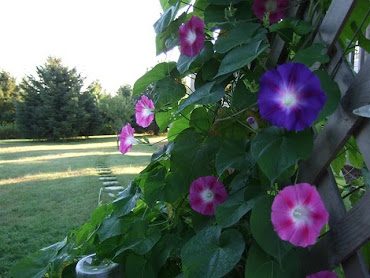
{"points": [[90, 116], [51, 102], [117, 110], [9, 95]]}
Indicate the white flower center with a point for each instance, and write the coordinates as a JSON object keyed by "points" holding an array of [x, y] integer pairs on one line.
{"points": [[300, 214], [289, 100], [207, 195], [131, 140], [270, 5], [147, 111], [191, 36]]}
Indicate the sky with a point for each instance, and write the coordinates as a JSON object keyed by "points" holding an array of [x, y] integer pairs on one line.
{"points": [[112, 41]]}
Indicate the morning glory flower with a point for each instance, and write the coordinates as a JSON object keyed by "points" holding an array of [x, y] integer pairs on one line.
{"points": [[298, 214], [206, 193], [323, 274], [290, 96], [126, 139], [144, 111], [276, 8], [191, 36]]}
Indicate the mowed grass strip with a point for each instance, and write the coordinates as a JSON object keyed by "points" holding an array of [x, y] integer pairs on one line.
{"points": [[47, 189]]}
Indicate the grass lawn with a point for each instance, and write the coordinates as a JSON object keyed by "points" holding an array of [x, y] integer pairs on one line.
{"points": [[47, 189]]}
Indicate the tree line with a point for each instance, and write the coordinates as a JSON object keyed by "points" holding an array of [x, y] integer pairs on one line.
{"points": [[54, 105]]}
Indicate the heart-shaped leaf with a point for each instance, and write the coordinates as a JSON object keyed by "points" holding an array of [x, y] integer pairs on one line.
{"points": [[212, 254]]}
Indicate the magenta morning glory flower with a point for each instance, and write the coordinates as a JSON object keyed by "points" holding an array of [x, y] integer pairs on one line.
{"points": [[290, 96], [298, 214], [126, 139], [206, 193], [144, 111], [191, 36], [277, 9], [323, 274]]}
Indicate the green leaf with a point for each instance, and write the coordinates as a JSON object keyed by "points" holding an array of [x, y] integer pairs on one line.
{"points": [[138, 267], [312, 54], [162, 250], [164, 21], [261, 265], [140, 238], [212, 254], [332, 91], [208, 93], [37, 264], [233, 154], [184, 62], [354, 155], [193, 155], [241, 33], [241, 56], [236, 206], [210, 69], [201, 119], [126, 200], [157, 73], [169, 37], [179, 125], [113, 226], [299, 27], [275, 150], [163, 153], [154, 185], [263, 231], [355, 19], [242, 96], [224, 2], [167, 91]]}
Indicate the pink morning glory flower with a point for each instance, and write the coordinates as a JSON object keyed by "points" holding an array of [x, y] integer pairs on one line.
{"points": [[191, 36], [298, 214], [290, 96], [206, 193], [323, 274], [276, 8], [144, 111], [126, 139]]}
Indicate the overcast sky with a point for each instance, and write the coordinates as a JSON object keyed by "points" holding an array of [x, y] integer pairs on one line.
{"points": [[109, 40]]}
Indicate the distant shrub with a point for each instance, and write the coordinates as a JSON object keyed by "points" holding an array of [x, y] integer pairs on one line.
{"points": [[9, 131]]}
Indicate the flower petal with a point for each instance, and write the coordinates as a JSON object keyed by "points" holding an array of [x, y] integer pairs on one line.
{"points": [[290, 96], [208, 184], [191, 36], [298, 214]]}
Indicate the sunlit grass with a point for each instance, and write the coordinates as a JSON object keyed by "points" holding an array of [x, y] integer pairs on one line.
{"points": [[48, 188]]}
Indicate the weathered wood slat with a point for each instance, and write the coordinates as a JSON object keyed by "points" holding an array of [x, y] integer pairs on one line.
{"points": [[363, 141], [329, 193], [340, 126], [333, 22]]}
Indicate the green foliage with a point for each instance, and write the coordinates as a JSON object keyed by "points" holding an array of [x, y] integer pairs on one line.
{"points": [[53, 105], [9, 95], [152, 229], [9, 131], [289, 146]]}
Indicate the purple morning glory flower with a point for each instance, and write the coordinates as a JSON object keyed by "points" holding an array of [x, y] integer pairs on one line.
{"points": [[290, 96]]}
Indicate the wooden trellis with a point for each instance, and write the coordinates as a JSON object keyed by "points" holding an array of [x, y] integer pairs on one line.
{"points": [[349, 230]]}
